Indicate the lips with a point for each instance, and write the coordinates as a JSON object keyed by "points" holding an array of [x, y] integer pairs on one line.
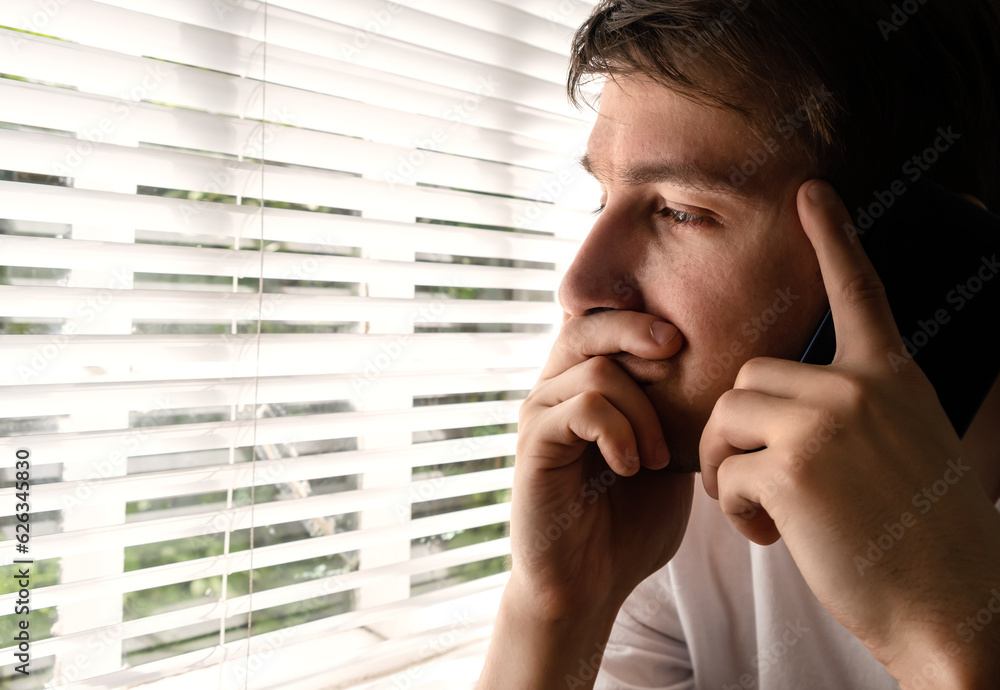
{"points": [[645, 372]]}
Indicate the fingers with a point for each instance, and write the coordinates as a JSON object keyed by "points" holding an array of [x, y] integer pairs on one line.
{"points": [[608, 332], [742, 496], [588, 416], [742, 420], [583, 396], [861, 314], [603, 376], [780, 378]]}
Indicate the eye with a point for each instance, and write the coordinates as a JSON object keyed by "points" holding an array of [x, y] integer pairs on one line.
{"points": [[597, 211], [681, 217]]}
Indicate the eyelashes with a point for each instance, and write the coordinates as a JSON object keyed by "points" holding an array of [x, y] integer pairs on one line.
{"points": [[682, 217], [674, 216]]}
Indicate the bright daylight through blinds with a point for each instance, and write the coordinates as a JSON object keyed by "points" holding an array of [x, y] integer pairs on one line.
{"points": [[274, 279]]}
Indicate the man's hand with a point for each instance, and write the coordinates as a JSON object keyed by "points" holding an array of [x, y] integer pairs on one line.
{"points": [[587, 524], [584, 431], [849, 450]]}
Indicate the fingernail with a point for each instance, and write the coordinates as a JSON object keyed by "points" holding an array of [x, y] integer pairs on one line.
{"points": [[821, 194], [662, 455], [663, 332]]}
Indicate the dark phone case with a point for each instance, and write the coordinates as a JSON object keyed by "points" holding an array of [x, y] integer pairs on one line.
{"points": [[929, 246]]}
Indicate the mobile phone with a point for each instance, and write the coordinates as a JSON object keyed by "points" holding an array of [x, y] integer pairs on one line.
{"points": [[936, 253]]}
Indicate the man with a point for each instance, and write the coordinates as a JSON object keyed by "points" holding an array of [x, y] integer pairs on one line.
{"points": [[717, 251]]}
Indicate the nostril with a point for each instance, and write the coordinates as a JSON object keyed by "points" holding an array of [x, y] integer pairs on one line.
{"points": [[598, 310]]}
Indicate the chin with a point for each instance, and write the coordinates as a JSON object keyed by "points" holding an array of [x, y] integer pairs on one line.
{"points": [[682, 419]]}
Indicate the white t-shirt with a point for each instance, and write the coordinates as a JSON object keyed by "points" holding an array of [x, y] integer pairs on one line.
{"points": [[727, 614]]}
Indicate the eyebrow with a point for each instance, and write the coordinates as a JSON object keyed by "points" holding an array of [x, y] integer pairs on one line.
{"points": [[674, 172]]}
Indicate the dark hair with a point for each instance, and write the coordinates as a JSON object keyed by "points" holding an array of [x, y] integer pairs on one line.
{"points": [[897, 71]]}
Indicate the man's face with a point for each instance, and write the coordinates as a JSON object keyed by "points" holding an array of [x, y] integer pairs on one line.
{"points": [[727, 263]]}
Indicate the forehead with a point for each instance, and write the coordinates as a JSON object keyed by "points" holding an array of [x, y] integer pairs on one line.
{"points": [[643, 125]]}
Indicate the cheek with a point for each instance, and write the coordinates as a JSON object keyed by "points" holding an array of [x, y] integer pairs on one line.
{"points": [[768, 308]]}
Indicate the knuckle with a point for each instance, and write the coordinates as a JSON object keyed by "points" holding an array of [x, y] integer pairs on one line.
{"points": [[863, 289], [601, 372], [851, 390], [749, 372], [726, 404], [812, 417], [722, 473], [589, 403], [791, 468], [524, 414]]}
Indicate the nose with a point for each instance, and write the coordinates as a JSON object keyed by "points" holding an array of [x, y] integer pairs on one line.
{"points": [[604, 272]]}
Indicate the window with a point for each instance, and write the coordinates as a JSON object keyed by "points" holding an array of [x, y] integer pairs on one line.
{"points": [[274, 278]]}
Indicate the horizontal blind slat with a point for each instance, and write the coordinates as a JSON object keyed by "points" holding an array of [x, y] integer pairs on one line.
{"points": [[51, 204], [227, 663], [265, 556], [146, 258], [57, 399], [62, 109], [37, 153], [396, 112], [181, 482], [148, 578], [71, 358], [437, 32], [224, 307], [89, 446], [456, 113], [569, 14], [332, 624], [437, 488]]}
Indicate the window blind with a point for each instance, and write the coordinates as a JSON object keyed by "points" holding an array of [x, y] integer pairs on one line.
{"points": [[274, 279]]}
